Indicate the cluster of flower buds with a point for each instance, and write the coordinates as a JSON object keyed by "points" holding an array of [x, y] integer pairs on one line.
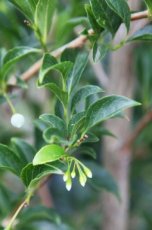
{"points": [[76, 167]]}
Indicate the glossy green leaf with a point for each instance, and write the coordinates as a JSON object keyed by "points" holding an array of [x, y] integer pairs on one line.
{"points": [[48, 153], [50, 63], [54, 121], [94, 25], [78, 68], [102, 12], [24, 151], [38, 213], [149, 6], [83, 93], [121, 8], [59, 93], [5, 201], [9, 160], [144, 34], [99, 51], [27, 7], [43, 16], [91, 138], [14, 55], [87, 151], [107, 108], [53, 135], [76, 123], [32, 175]]}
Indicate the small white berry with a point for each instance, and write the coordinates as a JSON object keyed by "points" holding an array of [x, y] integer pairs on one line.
{"points": [[17, 120]]}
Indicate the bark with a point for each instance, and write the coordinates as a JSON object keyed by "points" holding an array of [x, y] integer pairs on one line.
{"points": [[116, 159]]}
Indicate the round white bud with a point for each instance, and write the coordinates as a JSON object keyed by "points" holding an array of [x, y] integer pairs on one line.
{"points": [[17, 120]]}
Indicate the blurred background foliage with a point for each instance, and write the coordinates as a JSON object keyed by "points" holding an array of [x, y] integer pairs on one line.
{"points": [[81, 208]]}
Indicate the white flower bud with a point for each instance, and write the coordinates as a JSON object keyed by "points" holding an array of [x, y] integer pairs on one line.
{"points": [[82, 180], [73, 174], [17, 120], [69, 184], [88, 172], [65, 177]]}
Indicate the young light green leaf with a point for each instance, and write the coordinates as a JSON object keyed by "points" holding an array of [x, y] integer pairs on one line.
{"points": [[76, 73], [107, 108], [121, 8], [48, 153], [27, 7], [54, 121], [43, 16], [32, 175], [14, 55], [144, 34], [102, 12], [9, 160], [50, 63], [149, 6], [83, 93]]}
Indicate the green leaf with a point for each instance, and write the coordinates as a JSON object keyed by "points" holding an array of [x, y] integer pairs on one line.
{"points": [[9, 160], [38, 213], [53, 135], [83, 93], [121, 8], [59, 93], [14, 55], [32, 175], [101, 46], [24, 151], [95, 26], [27, 7], [102, 179], [48, 153], [149, 6], [54, 121], [144, 34], [43, 16], [87, 151], [78, 68], [50, 63], [91, 138], [107, 108], [105, 16], [76, 123]]}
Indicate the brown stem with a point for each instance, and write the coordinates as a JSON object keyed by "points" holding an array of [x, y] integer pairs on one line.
{"points": [[139, 15]]}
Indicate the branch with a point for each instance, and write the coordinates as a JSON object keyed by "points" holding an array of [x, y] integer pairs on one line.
{"points": [[138, 129], [139, 15], [78, 42]]}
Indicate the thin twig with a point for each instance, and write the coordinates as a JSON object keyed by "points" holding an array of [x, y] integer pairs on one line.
{"points": [[78, 42], [139, 15], [138, 129]]}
